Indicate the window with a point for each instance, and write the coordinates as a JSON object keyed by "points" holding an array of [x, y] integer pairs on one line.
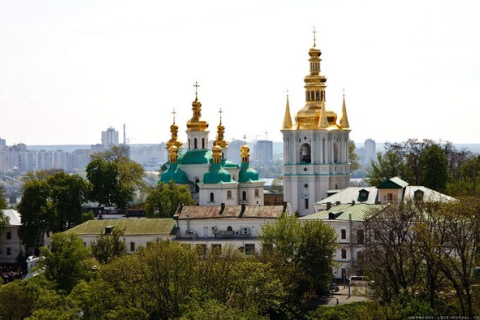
{"points": [[418, 195], [360, 257], [390, 196], [132, 246], [306, 203], [205, 232], [195, 143], [376, 235], [343, 234], [249, 248], [344, 253], [212, 197], [216, 248], [305, 153], [203, 143], [197, 188], [256, 193], [229, 194], [9, 235], [244, 195], [201, 249], [360, 236], [9, 251], [317, 95]]}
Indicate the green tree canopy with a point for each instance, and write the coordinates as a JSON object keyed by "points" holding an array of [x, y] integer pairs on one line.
{"points": [[353, 156], [434, 168], [115, 177], [67, 261], [163, 199], [109, 246]]}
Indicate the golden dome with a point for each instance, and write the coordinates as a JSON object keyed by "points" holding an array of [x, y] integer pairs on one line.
{"points": [[196, 123], [220, 140], [174, 131], [172, 154]]}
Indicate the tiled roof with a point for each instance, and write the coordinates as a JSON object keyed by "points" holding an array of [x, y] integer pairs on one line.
{"points": [[215, 212], [343, 211], [139, 226]]}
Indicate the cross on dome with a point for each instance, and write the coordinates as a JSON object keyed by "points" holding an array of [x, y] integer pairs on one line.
{"points": [[196, 85]]}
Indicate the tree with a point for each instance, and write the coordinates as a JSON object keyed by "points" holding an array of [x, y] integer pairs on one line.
{"points": [[67, 262], [277, 185], [109, 246], [34, 210], [67, 194], [434, 168], [163, 199], [307, 248], [388, 165], [114, 177], [51, 203], [353, 156]]}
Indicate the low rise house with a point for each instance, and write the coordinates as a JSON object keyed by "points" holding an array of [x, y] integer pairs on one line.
{"points": [[136, 232], [213, 227], [11, 245]]}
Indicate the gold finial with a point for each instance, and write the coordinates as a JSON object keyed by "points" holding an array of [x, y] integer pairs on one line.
{"points": [[344, 125], [287, 120], [314, 37], [196, 85], [220, 111], [173, 113]]}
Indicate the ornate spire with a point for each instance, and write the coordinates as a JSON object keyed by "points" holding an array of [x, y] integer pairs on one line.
{"points": [[245, 151], [196, 123], [344, 118], [174, 131], [322, 120], [220, 140], [287, 120]]}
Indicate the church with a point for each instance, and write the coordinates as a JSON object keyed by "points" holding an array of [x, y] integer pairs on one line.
{"points": [[212, 179], [315, 146]]}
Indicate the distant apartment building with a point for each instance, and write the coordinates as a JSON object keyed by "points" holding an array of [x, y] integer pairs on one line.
{"points": [[367, 153], [233, 151], [109, 138], [263, 152]]}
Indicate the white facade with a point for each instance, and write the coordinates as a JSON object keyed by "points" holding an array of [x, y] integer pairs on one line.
{"points": [[11, 245], [109, 138]]}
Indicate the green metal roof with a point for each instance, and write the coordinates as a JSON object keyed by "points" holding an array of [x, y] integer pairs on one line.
{"points": [[393, 183], [247, 174], [342, 211], [217, 174], [229, 164], [174, 173], [137, 226], [195, 157]]}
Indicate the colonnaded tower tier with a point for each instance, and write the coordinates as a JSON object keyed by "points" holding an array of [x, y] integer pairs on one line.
{"points": [[315, 147]]}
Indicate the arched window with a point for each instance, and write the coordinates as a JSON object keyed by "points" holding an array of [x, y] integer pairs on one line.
{"points": [[195, 143], [197, 188], [335, 153], [212, 197], [244, 195], [317, 95], [203, 143], [229, 228], [305, 153]]}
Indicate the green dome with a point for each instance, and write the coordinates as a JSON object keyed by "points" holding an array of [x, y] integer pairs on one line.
{"points": [[217, 174], [229, 164], [174, 173], [247, 174], [164, 167], [195, 157]]}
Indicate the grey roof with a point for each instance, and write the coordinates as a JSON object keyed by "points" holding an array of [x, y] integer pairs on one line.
{"points": [[14, 216], [350, 194], [358, 212]]}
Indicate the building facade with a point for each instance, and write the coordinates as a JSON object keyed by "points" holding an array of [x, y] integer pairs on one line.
{"points": [[316, 156]]}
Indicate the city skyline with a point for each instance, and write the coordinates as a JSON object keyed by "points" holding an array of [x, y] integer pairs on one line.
{"points": [[71, 70]]}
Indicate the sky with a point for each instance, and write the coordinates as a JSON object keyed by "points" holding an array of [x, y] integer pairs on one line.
{"points": [[71, 69]]}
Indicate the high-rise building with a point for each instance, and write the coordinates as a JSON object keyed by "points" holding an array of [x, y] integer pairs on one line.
{"points": [[315, 147], [370, 152], [263, 152], [109, 138]]}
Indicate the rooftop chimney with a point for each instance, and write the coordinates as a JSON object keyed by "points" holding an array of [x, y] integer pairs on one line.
{"points": [[329, 205], [284, 206], [222, 207], [243, 209]]}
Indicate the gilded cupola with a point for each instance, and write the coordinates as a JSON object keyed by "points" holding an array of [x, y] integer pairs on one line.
{"points": [[196, 123], [174, 137], [220, 141]]}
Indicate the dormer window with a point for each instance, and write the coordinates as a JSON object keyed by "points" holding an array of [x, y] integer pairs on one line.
{"points": [[418, 195], [363, 195]]}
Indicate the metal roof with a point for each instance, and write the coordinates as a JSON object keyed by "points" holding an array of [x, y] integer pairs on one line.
{"points": [[137, 226], [216, 212], [14, 217], [342, 212]]}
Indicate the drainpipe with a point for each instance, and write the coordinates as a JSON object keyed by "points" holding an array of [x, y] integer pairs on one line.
{"points": [[351, 248]]}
